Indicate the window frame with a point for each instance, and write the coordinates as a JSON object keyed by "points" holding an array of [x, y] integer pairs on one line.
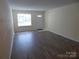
{"points": [[25, 15]]}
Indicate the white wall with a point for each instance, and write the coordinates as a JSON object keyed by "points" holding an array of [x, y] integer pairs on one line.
{"points": [[64, 21], [6, 31], [37, 23]]}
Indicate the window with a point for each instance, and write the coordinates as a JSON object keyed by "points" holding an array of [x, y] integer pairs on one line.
{"points": [[24, 19]]}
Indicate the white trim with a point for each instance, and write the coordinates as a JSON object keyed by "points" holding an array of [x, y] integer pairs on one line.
{"points": [[11, 46], [71, 38]]}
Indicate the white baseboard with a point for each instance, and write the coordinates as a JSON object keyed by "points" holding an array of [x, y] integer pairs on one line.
{"points": [[71, 38]]}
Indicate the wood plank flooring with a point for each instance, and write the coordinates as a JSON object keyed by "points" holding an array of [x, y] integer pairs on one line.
{"points": [[43, 45]]}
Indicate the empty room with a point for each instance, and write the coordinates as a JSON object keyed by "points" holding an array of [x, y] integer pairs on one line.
{"points": [[39, 29]]}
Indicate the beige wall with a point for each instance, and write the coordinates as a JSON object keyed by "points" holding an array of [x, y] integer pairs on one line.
{"points": [[37, 23], [6, 31], [64, 21]]}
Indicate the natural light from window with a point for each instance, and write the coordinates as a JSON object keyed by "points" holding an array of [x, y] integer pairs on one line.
{"points": [[24, 19]]}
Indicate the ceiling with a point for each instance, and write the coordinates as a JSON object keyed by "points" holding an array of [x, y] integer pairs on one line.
{"points": [[39, 4]]}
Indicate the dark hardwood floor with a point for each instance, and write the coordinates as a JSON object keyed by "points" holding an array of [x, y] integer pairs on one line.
{"points": [[43, 45]]}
